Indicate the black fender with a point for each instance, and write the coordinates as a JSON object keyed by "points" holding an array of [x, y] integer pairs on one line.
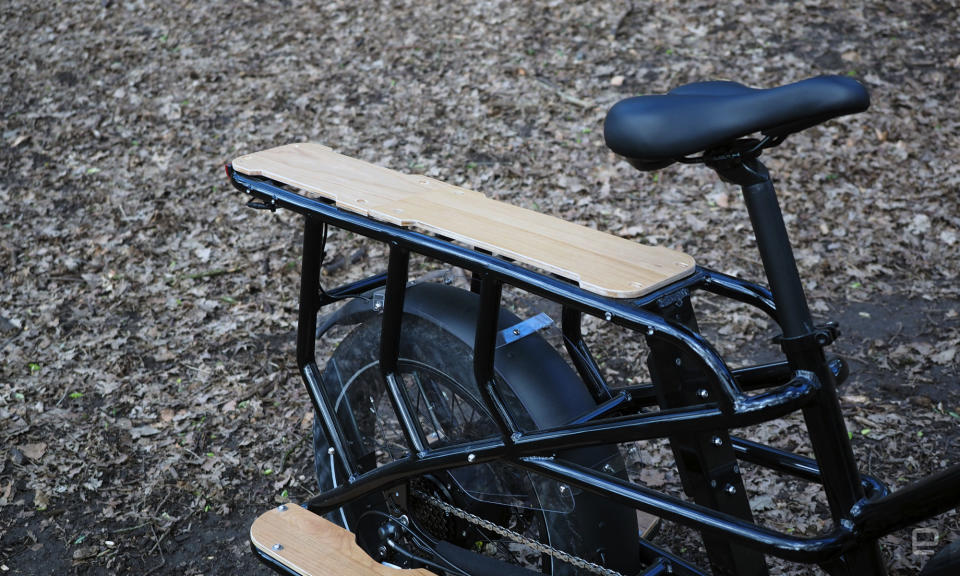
{"points": [[546, 386], [549, 390]]}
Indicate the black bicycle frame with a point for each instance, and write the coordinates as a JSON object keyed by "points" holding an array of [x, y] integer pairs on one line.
{"points": [[862, 507]]}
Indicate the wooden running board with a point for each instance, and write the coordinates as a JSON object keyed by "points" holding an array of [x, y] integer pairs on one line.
{"points": [[311, 545], [601, 263]]}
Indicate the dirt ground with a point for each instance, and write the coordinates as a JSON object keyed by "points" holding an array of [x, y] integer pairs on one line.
{"points": [[149, 403]]}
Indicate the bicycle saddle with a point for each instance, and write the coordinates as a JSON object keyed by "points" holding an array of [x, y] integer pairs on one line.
{"points": [[652, 132]]}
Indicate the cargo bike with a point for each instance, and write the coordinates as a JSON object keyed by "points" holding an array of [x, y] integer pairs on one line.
{"points": [[452, 437]]}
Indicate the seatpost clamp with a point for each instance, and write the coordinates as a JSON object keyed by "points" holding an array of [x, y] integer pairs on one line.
{"points": [[822, 335]]}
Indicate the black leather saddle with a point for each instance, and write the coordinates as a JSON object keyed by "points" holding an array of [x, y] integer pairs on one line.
{"points": [[654, 131]]}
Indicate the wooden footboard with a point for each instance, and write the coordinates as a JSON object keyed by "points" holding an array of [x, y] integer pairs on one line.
{"points": [[311, 545]]}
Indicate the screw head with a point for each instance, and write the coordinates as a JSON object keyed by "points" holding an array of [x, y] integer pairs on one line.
{"points": [[678, 361], [277, 547], [730, 489], [331, 451], [516, 331], [282, 508], [382, 550], [563, 489], [608, 316], [703, 393], [471, 457], [716, 441], [650, 331]]}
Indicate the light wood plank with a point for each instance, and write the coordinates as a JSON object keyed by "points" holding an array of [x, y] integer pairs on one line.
{"points": [[314, 546], [599, 262]]}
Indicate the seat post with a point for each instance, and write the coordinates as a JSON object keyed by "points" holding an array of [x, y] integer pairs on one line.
{"points": [[776, 252]]}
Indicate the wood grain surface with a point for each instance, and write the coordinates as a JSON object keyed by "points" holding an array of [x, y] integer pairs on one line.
{"points": [[313, 546], [599, 262]]}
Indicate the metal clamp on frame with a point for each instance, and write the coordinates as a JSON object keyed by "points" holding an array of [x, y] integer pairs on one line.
{"points": [[822, 335]]}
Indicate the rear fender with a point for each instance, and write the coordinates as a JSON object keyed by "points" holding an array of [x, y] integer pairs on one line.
{"points": [[550, 392]]}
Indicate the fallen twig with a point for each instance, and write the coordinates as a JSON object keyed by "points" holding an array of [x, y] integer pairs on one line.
{"points": [[158, 540], [564, 95], [212, 273], [130, 528]]}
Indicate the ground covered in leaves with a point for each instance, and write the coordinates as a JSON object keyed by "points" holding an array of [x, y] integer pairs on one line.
{"points": [[149, 405]]}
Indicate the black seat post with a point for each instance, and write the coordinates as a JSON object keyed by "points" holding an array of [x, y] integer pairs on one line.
{"points": [[776, 252]]}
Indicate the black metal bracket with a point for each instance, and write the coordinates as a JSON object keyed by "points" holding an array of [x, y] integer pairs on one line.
{"points": [[822, 335], [270, 204], [672, 299]]}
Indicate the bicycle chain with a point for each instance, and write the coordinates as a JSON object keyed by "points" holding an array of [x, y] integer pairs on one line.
{"points": [[517, 537]]}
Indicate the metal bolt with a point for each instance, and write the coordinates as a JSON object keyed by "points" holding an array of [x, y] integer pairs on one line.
{"points": [[563, 489], [713, 483], [608, 316], [331, 451], [277, 547], [608, 469], [516, 331], [716, 441], [730, 489], [282, 508], [649, 331], [678, 361], [382, 550], [703, 393], [463, 534], [471, 457], [404, 520]]}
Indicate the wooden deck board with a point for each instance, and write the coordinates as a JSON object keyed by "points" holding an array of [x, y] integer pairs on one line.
{"points": [[599, 262], [313, 546]]}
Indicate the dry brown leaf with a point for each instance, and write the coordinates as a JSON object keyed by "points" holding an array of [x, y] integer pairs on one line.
{"points": [[33, 451]]}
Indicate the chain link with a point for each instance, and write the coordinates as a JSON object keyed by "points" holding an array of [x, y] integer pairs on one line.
{"points": [[517, 537]]}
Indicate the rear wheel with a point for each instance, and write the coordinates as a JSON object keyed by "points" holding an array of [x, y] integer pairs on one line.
{"points": [[945, 563], [437, 374]]}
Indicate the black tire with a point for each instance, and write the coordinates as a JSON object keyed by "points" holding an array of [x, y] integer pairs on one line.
{"points": [[441, 365], [946, 562]]}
